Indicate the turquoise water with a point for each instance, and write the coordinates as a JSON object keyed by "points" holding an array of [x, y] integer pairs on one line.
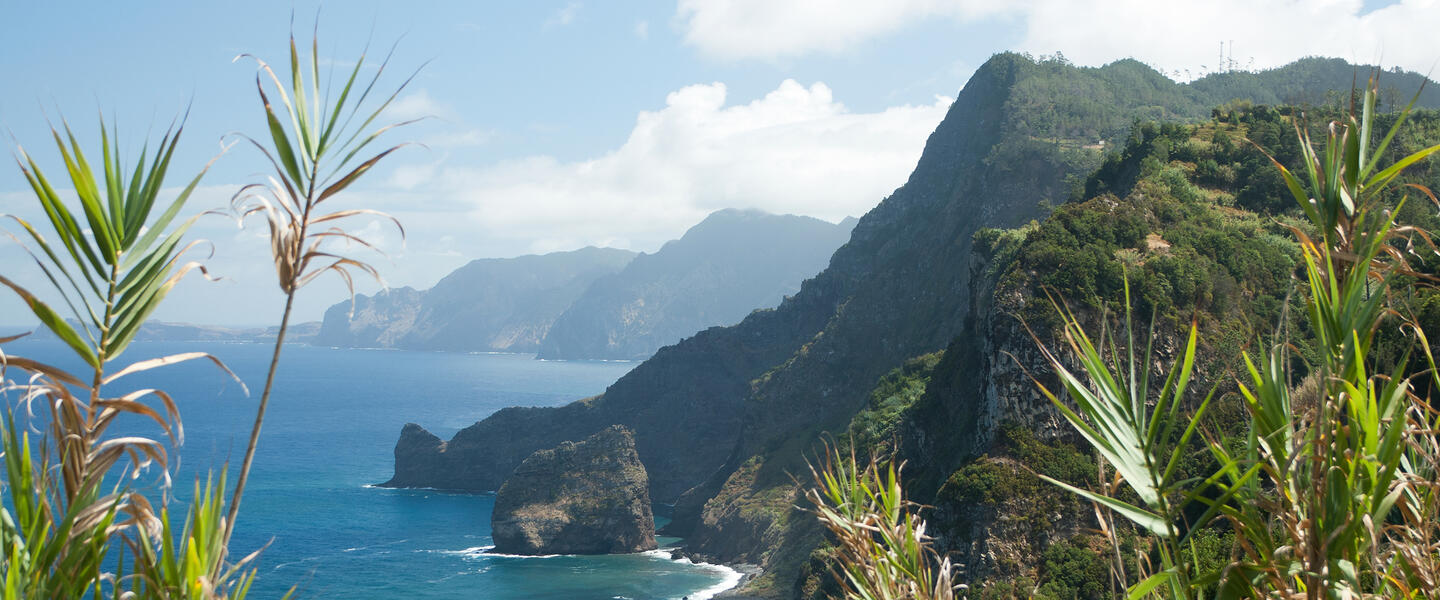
{"points": [[329, 434]]}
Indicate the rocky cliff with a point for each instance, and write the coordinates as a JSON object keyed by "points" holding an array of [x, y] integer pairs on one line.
{"points": [[728, 265], [488, 305], [380, 320], [589, 497], [890, 293]]}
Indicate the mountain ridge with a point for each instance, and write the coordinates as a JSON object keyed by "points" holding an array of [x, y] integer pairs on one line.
{"points": [[487, 305], [731, 263]]}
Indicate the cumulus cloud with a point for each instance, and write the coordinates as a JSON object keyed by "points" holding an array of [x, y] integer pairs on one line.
{"points": [[564, 16], [417, 105], [796, 150], [1177, 36]]}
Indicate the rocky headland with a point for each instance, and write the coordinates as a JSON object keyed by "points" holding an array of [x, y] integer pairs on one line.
{"points": [[588, 497]]}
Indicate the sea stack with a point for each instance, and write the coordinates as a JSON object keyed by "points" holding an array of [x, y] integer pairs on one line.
{"points": [[589, 497], [417, 459]]}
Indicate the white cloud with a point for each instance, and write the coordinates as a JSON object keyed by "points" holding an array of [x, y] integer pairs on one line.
{"points": [[1176, 36], [444, 125], [796, 150], [564, 16], [417, 105], [1265, 33], [642, 30]]}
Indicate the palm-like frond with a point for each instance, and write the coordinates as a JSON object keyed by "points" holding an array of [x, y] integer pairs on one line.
{"points": [[313, 153], [1334, 501], [115, 267], [317, 149], [118, 256], [884, 553]]}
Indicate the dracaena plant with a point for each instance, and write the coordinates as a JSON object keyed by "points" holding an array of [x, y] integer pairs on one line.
{"points": [[1349, 486], [319, 143], [110, 265], [1133, 427], [883, 552]]}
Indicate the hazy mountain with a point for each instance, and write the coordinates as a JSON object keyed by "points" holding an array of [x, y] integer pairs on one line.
{"points": [[488, 305], [163, 331], [733, 262]]}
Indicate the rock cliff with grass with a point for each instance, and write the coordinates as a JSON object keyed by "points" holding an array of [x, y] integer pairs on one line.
{"points": [[588, 497]]}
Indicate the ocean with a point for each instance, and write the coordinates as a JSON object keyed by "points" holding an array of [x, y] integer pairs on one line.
{"points": [[328, 437]]}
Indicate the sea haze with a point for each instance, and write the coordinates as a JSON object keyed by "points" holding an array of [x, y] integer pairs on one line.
{"points": [[329, 434]]}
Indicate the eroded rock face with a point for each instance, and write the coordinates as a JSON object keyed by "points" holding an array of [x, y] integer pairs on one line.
{"points": [[416, 458], [590, 497]]}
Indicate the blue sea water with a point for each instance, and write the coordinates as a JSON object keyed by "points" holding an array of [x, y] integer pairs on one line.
{"points": [[332, 425]]}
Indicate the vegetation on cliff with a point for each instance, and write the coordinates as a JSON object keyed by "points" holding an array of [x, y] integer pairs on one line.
{"points": [[1236, 249], [1332, 492]]}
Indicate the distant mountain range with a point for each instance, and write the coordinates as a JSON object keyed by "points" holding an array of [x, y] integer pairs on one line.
{"points": [[160, 331], [598, 303], [730, 264], [488, 305]]}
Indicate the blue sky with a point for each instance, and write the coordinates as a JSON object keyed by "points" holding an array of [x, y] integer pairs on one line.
{"points": [[562, 124]]}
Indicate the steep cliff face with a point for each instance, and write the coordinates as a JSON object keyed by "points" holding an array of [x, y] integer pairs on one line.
{"points": [[890, 293], [730, 264], [589, 497], [683, 405], [906, 271], [488, 305]]}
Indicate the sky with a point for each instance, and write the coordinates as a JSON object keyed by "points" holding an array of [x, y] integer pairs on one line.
{"points": [[550, 126]]}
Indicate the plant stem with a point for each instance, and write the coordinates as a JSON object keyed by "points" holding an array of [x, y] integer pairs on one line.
{"points": [[290, 288], [259, 419]]}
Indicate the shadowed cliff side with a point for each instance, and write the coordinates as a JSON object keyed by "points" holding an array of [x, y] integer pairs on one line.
{"points": [[892, 292]]}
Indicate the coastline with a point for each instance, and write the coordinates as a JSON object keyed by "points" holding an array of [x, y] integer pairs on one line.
{"points": [[734, 575], [738, 574]]}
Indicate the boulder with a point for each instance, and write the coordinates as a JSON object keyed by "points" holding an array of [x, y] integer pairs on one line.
{"points": [[589, 497]]}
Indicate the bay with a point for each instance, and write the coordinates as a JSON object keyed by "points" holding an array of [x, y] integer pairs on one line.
{"points": [[329, 436]]}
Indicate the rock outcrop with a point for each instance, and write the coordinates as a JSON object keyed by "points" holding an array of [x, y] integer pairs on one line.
{"points": [[417, 450], [589, 497]]}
